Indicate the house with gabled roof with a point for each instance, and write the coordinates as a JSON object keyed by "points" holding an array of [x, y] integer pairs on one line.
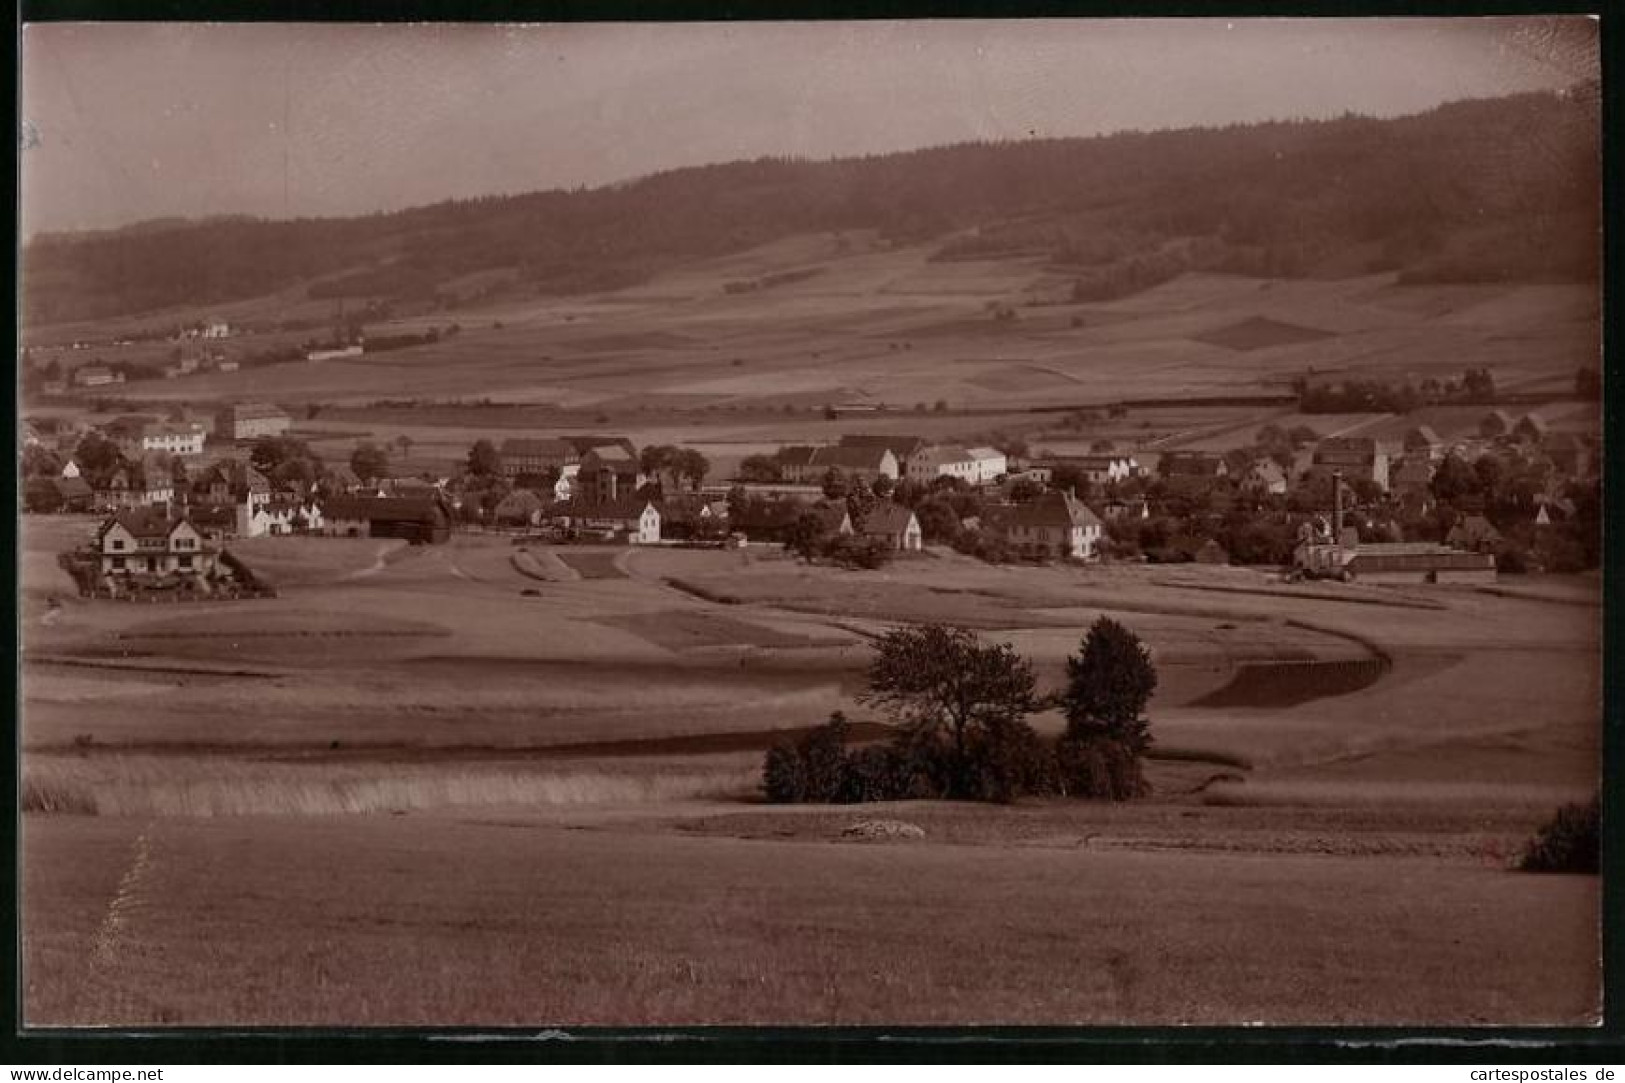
{"points": [[1423, 440], [608, 474], [892, 524], [1531, 428], [1055, 524], [153, 541], [633, 518], [1353, 457], [1494, 424]]}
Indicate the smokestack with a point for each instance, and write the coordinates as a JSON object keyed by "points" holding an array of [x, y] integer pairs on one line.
{"points": [[1337, 504]]}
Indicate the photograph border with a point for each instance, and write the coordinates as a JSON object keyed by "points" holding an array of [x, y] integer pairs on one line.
{"points": [[1120, 1045]]}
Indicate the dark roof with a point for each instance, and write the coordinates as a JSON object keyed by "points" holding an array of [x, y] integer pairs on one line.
{"points": [[243, 410], [155, 521], [849, 458], [887, 518], [900, 446], [1051, 509], [584, 444], [796, 455], [1422, 435], [383, 507], [628, 508], [1191, 464], [539, 449]]}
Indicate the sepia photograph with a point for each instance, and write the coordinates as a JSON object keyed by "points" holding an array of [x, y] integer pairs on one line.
{"points": [[946, 522]]}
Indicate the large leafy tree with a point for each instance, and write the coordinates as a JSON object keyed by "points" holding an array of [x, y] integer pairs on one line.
{"points": [[483, 460], [1108, 686], [369, 461], [946, 688]]}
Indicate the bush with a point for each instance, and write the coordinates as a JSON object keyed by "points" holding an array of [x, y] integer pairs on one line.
{"points": [[1569, 842], [1098, 768]]}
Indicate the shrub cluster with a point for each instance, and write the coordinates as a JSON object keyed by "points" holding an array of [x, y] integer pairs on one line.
{"points": [[960, 707], [1569, 842]]}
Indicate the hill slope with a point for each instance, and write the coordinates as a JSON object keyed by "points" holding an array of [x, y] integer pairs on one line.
{"points": [[1500, 190]]}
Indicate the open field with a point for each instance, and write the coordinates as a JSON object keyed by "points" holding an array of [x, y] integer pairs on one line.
{"points": [[546, 806]]}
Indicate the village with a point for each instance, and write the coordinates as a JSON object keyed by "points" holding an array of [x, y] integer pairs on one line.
{"points": [[1512, 494]]}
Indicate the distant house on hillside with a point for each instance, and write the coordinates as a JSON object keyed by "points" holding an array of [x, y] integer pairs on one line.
{"points": [[1056, 524], [96, 376], [690, 515], [250, 421]]}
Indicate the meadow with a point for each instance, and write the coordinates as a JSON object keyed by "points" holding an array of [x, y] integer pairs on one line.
{"points": [[545, 807]]}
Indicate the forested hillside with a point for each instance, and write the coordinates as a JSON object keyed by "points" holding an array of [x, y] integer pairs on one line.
{"points": [[1502, 190]]}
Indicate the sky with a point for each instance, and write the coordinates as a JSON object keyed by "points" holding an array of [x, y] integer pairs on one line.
{"points": [[129, 122]]}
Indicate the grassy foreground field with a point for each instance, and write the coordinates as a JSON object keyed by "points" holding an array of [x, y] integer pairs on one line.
{"points": [[406, 792]]}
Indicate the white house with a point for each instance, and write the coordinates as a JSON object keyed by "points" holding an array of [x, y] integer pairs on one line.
{"points": [[1056, 524], [943, 461], [151, 541], [174, 439], [991, 464]]}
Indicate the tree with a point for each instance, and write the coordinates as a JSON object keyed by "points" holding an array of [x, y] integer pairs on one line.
{"points": [[835, 484], [40, 462], [760, 468], [938, 523], [369, 461], [1588, 383], [483, 460], [271, 452], [805, 536], [97, 456], [691, 466], [1023, 491], [951, 693], [1108, 686]]}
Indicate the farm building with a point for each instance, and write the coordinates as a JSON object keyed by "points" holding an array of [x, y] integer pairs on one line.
{"points": [[1056, 524], [608, 474], [420, 520], [1354, 457], [1419, 562], [804, 465], [893, 524], [529, 458], [1104, 468], [250, 421], [943, 461], [135, 485], [153, 541], [633, 518]]}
